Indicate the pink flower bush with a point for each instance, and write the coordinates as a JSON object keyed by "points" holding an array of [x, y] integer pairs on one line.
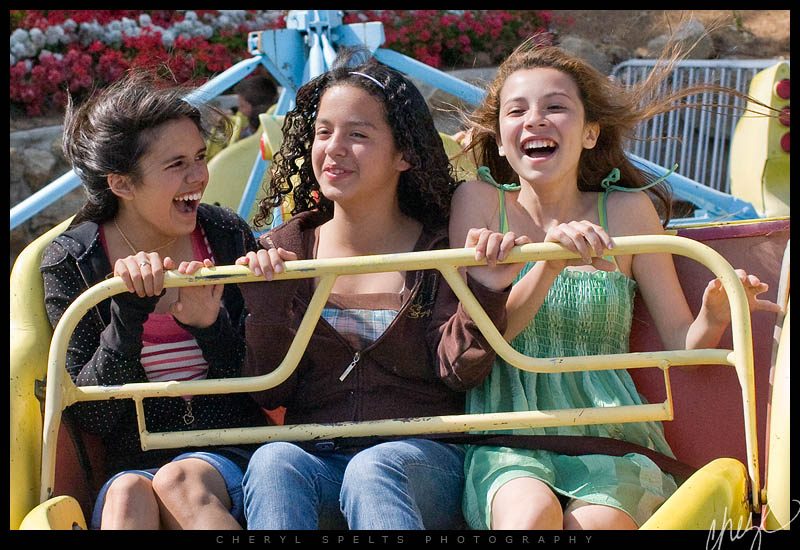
{"points": [[55, 51]]}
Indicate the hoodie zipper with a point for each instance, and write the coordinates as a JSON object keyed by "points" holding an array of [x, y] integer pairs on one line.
{"points": [[358, 354], [350, 367]]}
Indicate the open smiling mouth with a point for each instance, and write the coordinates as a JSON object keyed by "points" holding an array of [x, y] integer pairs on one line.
{"points": [[539, 148], [187, 203]]}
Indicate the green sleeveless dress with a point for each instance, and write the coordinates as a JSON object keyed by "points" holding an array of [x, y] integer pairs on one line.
{"points": [[584, 313]]}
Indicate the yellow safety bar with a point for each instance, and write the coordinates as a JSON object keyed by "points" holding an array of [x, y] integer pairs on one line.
{"points": [[62, 392]]}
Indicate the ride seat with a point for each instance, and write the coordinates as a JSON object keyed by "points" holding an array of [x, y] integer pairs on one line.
{"points": [[229, 171], [709, 422], [30, 335]]}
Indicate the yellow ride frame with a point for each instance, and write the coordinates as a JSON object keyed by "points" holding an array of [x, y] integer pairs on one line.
{"points": [[61, 392]]}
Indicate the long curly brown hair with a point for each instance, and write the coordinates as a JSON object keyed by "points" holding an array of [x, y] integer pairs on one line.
{"points": [[616, 108], [424, 190]]}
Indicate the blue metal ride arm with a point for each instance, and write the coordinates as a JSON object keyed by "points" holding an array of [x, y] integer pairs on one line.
{"points": [[436, 78], [223, 81], [718, 206], [53, 191], [44, 197]]}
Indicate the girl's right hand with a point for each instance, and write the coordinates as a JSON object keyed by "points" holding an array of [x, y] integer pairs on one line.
{"points": [[143, 273], [584, 237], [463, 137], [494, 247], [267, 262]]}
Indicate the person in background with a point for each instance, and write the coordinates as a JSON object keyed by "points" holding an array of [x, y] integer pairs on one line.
{"points": [[139, 150], [255, 94]]}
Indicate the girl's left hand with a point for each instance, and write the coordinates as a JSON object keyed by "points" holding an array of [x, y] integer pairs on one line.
{"points": [[715, 299], [196, 306]]}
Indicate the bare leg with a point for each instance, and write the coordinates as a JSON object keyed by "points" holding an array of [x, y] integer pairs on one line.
{"points": [[526, 503], [582, 515], [193, 495], [130, 504]]}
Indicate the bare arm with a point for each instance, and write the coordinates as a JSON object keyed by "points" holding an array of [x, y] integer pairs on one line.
{"points": [[472, 226], [662, 292]]}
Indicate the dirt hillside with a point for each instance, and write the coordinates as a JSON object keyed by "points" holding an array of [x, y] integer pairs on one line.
{"points": [[735, 33]]}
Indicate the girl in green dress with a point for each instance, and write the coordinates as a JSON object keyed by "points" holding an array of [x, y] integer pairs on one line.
{"points": [[555, 127]]}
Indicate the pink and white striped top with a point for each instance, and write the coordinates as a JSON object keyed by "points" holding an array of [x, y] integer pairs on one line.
{"points": [[169, 352]]}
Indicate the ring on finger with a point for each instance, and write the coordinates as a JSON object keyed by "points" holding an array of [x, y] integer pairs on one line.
{"points": [[143, 263]]}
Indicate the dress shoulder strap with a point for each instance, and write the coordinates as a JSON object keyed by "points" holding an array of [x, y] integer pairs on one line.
{"points": [[484, 174], [602, 213], [608, 186]]}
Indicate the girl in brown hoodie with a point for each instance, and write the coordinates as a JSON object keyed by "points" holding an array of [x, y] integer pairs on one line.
{"points": [[369, 175]]}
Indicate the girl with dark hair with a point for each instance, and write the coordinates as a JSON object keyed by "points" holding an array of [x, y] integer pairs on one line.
{"points": [[369, 175], [139, 150], [554, 127]]}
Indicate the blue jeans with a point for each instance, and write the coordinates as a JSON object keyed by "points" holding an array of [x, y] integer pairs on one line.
{"points": [[409, 484], [229, 467]]}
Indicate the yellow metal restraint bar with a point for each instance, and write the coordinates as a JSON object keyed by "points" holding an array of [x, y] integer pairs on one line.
{"points": [[61, 392]]}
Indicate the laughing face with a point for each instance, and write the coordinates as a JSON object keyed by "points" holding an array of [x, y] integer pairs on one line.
{"points": [[542, 126], [172, 176]]}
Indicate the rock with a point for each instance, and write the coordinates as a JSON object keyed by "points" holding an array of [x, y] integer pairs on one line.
{"points": [[55, 148], [38, 167], [445, 107], [617, 54], [737, 44], [586, 51], [693, 32], [35, 137], [17, 173], [483, 59]]}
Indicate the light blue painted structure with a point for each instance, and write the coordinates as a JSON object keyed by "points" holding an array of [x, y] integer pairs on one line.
{"points": [[711, 205], [305, 49]]}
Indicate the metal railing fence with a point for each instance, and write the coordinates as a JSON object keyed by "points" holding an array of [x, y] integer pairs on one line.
{"points": [[702, 145]]}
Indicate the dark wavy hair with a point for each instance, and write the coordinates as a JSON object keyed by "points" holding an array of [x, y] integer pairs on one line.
{"points": [[424, 190], [112, 130], [617, 109]]}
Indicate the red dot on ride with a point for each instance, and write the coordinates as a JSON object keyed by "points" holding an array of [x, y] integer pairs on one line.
{"points": [[782, 88], [785, 142], [783, 118]]}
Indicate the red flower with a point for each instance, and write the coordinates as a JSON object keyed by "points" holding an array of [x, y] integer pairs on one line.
{"points": [[96, 47], [435, 37]]}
